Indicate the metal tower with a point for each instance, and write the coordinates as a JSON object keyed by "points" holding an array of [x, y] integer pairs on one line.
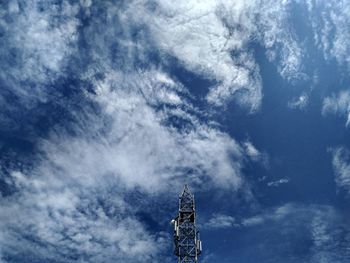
{"points": [[186, 237]]}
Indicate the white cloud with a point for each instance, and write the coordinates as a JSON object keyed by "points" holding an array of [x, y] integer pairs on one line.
{"points": [[38, 41], [299, 102], [73, 199], [227, 221], [60, 214], [275, 214], [126, 147], [330, 22], [341, 165], [283, 227], [280, 39], [251, 151], [194, 33], [220, 221], [253, 221], [212, 38], [254, 154], [278, 182], [136, 135], [72, 202], [323, 226], [330, 236], [338, 104]]}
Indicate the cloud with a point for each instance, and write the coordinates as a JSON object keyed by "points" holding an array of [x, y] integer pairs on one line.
{"points": [[253, 221], [329, 21], [140, 134], [55, 218], [341, 166], [275, 214], [338, 104], [278, 182], [75, 195], [37, 41], [136, 134], [330, 236], [220, 221], [199, 39], [227, 221], [251, 151], [254, 154], [318, 233], [279, 38], [214, 38], [299, 103], [132, 129]]}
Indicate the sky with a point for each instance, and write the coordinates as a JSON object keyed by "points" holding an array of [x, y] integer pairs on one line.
{"points": [[107, 108]]}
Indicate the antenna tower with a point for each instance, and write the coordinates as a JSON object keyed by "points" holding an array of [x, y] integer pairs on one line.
{"points": [[187, 245]]}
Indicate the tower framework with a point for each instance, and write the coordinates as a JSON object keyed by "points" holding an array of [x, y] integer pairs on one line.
{"points": [[187, 245]]}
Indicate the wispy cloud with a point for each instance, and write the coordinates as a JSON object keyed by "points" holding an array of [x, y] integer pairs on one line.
{"points": [[227, 221], [132, 126], [331, 33], [251, 151], [299, 102], [213, 40], [341, 165], [283, 227], [37, 43], [134, 131], [71, 203], [330, 234], [55, 218], [278, 182], [133, 150], [338, 104], [254, 154], [220, 221], [203, 43], [281, 42]]}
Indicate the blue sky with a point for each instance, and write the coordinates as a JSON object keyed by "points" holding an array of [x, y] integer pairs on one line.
{"points": [[109, 107]]}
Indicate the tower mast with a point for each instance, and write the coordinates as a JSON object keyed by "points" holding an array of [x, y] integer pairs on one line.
{"points": [[187, 245]]}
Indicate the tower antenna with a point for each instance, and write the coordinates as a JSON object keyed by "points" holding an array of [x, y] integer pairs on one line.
{"points": [[187, 245]]}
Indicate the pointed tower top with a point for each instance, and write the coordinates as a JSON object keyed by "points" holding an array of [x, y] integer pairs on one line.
{"points": [[187, 244], [186, 191], [186, 200]]}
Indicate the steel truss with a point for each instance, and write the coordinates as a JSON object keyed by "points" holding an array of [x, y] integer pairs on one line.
{"points": [[187, 245]]}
